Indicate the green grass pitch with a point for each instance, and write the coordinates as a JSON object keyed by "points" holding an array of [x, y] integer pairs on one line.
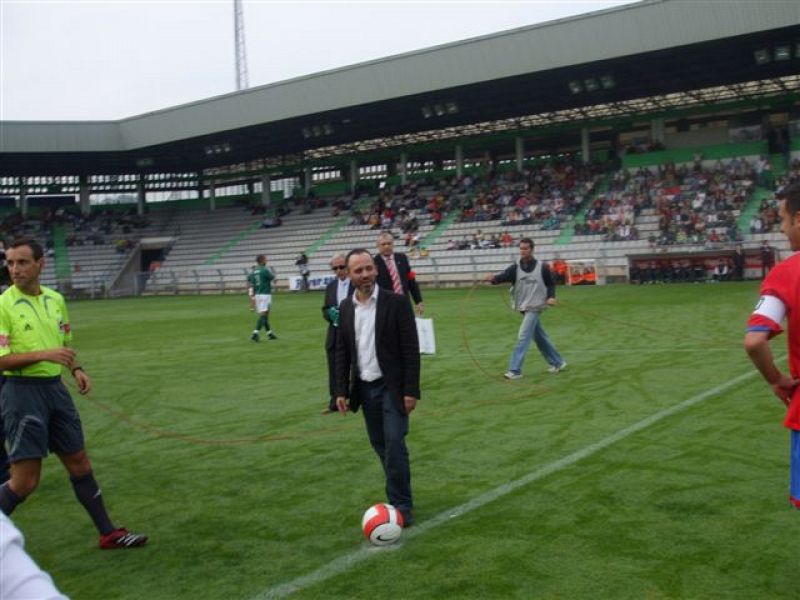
{"points": [[215, 447]]}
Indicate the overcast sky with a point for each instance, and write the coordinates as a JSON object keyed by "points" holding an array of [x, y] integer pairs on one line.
{"points": [[95, 60]]}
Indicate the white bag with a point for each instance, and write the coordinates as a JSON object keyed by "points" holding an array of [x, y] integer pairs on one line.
{"points": [[427, 340]]}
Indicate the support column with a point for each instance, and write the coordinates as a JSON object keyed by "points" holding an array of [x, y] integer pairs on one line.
{"points": [[23, 196], [309, 179], [141, 195], [657, 131], [585, 147], [265, 189], [519, 151], [83, 195], [459, 160], [251, 188], [403, 168], [353, 176], [212, 195]]}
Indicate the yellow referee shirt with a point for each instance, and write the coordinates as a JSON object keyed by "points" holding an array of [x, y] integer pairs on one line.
{"points": [[32, 323]]}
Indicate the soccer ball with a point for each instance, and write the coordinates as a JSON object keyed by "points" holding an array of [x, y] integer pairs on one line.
{"points": [[382, 524]]}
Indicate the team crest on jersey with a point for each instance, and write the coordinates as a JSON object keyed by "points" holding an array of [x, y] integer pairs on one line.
{"points": [[4, 343], [63, 327]]}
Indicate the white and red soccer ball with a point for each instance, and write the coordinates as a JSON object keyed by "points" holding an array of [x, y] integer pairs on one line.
{"points": [[382, 524]]}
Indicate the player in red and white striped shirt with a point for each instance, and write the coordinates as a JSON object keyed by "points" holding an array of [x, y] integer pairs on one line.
{"points": [[780, 300]]}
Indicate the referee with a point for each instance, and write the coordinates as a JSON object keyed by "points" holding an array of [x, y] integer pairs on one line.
{"points": [[38, 412]]}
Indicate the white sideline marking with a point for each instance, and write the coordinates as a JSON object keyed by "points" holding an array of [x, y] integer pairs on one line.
{"points": [[339, 565]]}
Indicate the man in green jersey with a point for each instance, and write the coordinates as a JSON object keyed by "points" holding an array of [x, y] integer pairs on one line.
{"points": [[38, 412], [263, 293]]}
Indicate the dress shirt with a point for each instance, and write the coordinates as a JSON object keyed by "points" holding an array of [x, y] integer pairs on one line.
{"points": [[364, 325], [341, 290]]}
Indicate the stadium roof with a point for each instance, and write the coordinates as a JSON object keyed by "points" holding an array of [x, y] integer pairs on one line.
{"points": [[651, 48]]}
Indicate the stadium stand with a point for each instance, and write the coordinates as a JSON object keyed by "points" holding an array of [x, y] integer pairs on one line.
{"points": [[582, 149]]}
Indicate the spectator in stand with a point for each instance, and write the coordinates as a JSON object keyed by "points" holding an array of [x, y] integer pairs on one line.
{"points": [[721, 271], [756, 224], [271, 222]]}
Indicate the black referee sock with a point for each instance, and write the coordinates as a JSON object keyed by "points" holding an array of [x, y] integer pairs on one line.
{"points": [[89, 494], [8, 499]]}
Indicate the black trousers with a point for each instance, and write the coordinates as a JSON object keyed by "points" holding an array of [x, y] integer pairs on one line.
{"points": [[331, 352]]}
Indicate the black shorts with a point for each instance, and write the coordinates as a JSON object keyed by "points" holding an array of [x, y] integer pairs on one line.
{"points": [[38, 415]]}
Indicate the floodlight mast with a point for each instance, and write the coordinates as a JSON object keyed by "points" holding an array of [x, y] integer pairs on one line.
{"points": [[241, 50]]}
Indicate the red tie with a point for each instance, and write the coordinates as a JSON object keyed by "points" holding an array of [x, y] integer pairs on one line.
{"points": [[398, 287]]}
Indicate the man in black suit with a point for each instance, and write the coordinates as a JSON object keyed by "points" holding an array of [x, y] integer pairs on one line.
{"points": [[394, 271], [377, 368], [335, 292]]}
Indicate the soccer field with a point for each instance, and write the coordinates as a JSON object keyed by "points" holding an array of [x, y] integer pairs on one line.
{"points": [[655, 466]]}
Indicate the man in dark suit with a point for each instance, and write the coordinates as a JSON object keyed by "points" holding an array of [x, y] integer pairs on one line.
{"points": [[394, 271], [377, 368], [335, 292]]}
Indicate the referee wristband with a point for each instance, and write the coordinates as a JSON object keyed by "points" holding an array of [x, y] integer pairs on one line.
{"points": [[78, 368]]}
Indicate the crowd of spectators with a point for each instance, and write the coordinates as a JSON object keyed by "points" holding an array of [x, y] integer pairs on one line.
{"points": [[92, 229], [544, 195], [767, 219], [695, 205], [482, 241], [699, 205]]}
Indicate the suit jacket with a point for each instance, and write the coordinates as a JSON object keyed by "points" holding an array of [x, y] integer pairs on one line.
{"points": [[330, 300], [396, 346], [384, 280]]}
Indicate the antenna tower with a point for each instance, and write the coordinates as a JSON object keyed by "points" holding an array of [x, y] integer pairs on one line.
{"points": [[241, 50]]}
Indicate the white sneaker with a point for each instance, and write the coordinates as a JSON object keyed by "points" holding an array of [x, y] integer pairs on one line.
{"points": [[554, 369], [512, 375]]}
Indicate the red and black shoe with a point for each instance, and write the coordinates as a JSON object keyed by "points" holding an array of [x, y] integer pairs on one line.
{"points": [[122, 538]]}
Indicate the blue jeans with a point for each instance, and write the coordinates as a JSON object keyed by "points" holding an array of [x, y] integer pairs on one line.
{"points": [[387, 426], [531, 329]]}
